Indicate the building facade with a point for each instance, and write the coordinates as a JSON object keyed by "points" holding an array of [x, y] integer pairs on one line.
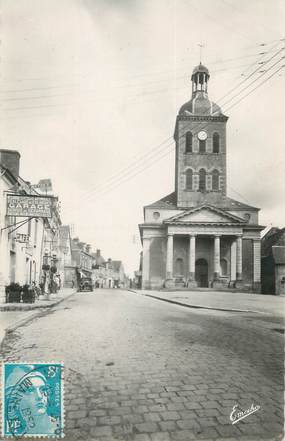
{"points": [[82, 261], [273, 262], [25, 242], [197, 236]]}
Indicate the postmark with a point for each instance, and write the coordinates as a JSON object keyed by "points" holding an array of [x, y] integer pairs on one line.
{"points": [[32, 400]]}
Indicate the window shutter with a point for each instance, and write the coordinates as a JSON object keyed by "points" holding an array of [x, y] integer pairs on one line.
{"points": [[195, 182], [209, 182]]}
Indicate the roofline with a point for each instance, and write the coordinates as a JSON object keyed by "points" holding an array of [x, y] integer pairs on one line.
{"points": [[12, 178], [254, 227], [200, 207]]}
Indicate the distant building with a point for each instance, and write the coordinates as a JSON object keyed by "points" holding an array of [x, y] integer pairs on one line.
{"points": [[118, 273], [65, 267], [197, 235], [107, 273], [98, 269], [82, 260], [273, 262]]}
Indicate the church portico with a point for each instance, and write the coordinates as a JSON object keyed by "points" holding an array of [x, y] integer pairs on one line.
{"points": [[198, 237], [202, 260]]}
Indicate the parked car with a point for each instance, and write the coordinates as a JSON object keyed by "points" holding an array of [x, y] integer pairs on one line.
{"points": [[85, 284]]}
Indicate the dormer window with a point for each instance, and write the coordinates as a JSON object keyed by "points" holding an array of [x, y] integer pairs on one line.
{"points": [[216, 143], [188, 142]]}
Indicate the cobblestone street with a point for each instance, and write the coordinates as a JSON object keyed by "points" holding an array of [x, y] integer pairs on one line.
{"points": [[139, 369]]}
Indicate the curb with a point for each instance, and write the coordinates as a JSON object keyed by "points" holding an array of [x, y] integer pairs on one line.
{"points": [[187, 305], [25, 320], [34, 307]]}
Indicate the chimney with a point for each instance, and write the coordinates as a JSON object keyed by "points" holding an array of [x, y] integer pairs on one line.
{"points": [[98, 253], [75, 241], [10, 159], [88, 248]]}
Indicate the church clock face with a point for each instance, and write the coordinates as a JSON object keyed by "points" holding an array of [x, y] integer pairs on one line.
{"points": [[202, 135]]}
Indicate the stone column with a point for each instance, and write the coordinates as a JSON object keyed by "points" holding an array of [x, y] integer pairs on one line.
{"points": [[233, 261], [192, 252], [146, 263], [239, 258], [169, 257], [217, 257], [256, 265]]}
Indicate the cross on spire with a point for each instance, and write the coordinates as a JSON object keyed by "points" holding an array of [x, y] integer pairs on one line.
{"points": [[201, 46]]}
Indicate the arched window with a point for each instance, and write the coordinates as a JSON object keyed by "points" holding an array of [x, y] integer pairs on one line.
{"points": [[202, 179], [189, 179], [216, 143], [188, 142], [202, 146], [215, 180], [224, 267]]}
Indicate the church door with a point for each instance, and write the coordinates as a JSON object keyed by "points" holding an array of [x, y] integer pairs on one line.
{"points": [[179, 267], [201, 273]]}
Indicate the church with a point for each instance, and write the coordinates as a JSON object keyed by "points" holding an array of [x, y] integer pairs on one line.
{"points": [[197, 236]]}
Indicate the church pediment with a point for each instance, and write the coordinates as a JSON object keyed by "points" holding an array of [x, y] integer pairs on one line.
{"points": [[205, 214]]}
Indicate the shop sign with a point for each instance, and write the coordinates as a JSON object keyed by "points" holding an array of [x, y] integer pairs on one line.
{"points": [[22, 238], [29, 206]]}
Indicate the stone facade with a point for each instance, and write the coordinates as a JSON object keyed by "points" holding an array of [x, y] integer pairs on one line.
{"points": [[197, 236]]}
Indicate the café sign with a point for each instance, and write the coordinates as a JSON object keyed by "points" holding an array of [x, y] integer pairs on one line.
{"points": [[29, 206]]}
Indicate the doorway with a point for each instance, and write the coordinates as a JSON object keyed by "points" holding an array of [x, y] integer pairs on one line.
{"points": [[201, 273], [179, 267]]}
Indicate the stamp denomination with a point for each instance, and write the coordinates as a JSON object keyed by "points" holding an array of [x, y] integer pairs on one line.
{"points": [[32, 400]]}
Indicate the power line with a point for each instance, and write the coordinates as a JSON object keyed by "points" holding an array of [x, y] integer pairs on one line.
{"points": [[169, 151], [127, 85], [153, 152]]}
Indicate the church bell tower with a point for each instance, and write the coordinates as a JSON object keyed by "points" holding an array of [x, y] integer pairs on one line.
{"points": [[200, 137]]}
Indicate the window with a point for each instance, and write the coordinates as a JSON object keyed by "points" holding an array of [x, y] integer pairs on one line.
{"points": [[189, 179], [224, 267], [215, 180], [188, 142], [202, 179], [216, 143], [202, 146], [156, 215]]}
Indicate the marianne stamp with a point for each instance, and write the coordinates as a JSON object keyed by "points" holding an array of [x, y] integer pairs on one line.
{"points": [[32, 399]]}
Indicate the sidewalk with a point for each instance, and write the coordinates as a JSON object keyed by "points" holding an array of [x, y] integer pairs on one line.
{"points": [[224, 301], [13, 315]]}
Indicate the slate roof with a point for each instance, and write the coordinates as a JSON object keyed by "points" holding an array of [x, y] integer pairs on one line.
{"points": [[116, 264], [279, 254], [274, 237], [170, 202]]}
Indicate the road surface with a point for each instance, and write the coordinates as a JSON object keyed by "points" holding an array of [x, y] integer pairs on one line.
{"points": [[140, 369]]}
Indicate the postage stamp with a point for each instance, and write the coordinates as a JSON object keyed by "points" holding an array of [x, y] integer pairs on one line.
{"points": [[32, 400]]}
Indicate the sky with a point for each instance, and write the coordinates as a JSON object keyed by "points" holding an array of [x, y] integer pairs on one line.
{"points": [[91, 88]]}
